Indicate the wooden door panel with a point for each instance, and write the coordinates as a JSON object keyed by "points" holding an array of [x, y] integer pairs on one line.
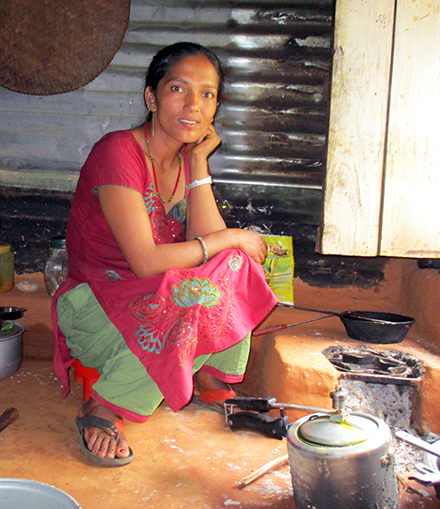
{"points": [[411, 199], [359, 103]]}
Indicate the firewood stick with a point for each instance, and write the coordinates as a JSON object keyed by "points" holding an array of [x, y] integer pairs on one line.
{"points": [[261, 471], [7, 418]]}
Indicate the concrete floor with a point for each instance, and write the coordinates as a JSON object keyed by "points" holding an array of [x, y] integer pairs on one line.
{"points": [[188, 459]]}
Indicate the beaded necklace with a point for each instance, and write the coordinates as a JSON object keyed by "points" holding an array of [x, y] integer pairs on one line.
{"points": [[150, 155]]}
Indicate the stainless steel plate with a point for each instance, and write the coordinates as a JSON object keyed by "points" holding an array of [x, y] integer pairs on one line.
{"points": [[21, 493], [430, 459]]}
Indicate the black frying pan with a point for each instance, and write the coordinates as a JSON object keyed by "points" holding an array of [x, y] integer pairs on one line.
{"points": [[10, 313], [368, 326]]}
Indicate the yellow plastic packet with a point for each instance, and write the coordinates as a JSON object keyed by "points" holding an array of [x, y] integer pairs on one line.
{"points": [[279, 266]]}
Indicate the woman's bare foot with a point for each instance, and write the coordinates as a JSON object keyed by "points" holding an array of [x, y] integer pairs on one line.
{"points": [[206, 382], [98, 441]]}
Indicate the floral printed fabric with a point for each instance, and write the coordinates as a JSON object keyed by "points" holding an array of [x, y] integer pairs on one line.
{"points": [[166, 320], [169, 320], [167, 228], [94, 254]]}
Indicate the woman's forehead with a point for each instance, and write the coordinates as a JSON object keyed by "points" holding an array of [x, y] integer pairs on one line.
{"points": [[194, 67]]}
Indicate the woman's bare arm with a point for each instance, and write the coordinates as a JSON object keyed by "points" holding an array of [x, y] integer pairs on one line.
{"points": [[127, 217], [203, 216]]}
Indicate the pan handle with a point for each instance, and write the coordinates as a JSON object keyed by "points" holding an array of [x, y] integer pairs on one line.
{"points": [[329, 313], [269, 330], [285, 325], [260, 423]]}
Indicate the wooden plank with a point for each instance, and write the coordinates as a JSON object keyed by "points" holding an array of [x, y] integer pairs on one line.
{"points": [[44, 179], [411, 212], [359, 101]]}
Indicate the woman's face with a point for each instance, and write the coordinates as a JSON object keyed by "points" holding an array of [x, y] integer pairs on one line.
{"points": [[185, 99]]}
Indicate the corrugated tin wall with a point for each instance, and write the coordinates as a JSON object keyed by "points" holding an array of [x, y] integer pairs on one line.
{"points": [[273, 124]]}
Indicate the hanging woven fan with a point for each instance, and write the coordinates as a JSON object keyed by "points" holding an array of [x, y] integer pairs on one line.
{"points": [[54, 46]]}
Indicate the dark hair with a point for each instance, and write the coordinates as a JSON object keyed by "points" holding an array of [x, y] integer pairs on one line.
{"points": [[164, 60]]}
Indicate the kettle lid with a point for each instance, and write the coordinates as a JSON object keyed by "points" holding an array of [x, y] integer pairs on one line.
{"points": [[322, 430]]}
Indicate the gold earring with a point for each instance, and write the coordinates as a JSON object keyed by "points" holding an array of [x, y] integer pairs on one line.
{"points": [[152, 123]]}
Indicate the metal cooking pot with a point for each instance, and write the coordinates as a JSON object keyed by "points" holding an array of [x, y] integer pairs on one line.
{"points": [[11, 348], [338, 459], [367, 326], [342, 464]]}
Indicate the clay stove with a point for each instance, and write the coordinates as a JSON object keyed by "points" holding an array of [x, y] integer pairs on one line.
{"points": [[380, 382], [383, 383]]}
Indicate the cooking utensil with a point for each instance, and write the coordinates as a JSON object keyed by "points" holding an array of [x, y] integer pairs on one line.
{"points": [[11, 348], [432, 462], [19, 493], [337, 458], [255, 417], [368, 326], [342, 464], [427, 475], [8, 417], [285, 325], [418, 442], [10, 313]]}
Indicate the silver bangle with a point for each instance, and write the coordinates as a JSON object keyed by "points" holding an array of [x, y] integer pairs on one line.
{"points": [[197, 183], [205, 249]]}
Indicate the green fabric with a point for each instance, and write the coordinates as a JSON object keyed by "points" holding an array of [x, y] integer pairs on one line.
{"points": [[124, 382]]}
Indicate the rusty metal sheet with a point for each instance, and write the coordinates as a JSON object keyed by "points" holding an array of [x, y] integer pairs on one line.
{"points": [[277, 56]]}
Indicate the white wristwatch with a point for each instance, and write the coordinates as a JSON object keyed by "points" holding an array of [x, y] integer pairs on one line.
{"points": [[197, 183]]}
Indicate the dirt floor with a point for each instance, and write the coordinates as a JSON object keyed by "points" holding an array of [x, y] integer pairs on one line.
{"points": [[188, 459]]}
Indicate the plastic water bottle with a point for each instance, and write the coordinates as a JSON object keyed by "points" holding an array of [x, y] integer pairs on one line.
{"points": [[55, 271]]}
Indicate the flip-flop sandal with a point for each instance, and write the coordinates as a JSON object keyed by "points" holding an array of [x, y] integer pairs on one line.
{"points": [[112, 429], [214, 400]]}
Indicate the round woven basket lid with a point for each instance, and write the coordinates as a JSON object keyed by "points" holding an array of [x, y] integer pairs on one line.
{"points": [[50, 46]]}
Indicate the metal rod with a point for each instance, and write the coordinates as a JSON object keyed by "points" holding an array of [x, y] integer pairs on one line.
{"points": [[292, 406], [418, 442], [284, 326], [329, 313]]}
